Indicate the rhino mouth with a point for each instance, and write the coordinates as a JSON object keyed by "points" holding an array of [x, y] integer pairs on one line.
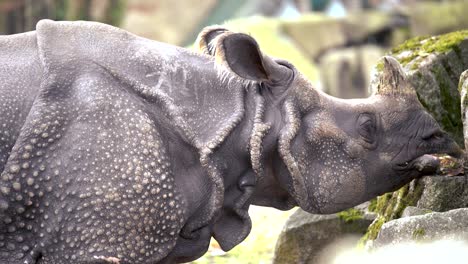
{"points": [[428, 164], [425, 164]]}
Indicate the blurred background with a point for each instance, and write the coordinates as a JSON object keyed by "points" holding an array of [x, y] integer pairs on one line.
{"points": [[334, 42]]}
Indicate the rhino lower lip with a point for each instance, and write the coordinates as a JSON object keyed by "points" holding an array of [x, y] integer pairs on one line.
{"points": [[424, 164]]}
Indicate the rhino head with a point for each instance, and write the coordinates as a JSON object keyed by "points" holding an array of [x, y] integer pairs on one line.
{"points": [[327, 154]]}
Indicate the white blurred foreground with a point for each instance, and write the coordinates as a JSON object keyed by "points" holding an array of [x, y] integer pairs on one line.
{"points": [[443, 251]]}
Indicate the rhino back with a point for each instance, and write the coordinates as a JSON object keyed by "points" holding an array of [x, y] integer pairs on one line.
{"points": [[94, 159], [88, 175], [20, 79]]}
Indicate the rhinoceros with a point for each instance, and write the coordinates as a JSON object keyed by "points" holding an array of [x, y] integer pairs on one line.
{"points": [[119, 149]]}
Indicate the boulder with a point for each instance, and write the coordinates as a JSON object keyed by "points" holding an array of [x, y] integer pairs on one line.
{"points": [[172, 21], [463, 89], [345, 72], [316, 33], [433, 18], [413, 210], [444, 193], [428, 227], [434, 65], [306, 238]]}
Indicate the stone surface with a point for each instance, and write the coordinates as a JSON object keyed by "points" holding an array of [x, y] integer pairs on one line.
{"points": [[306, 237], [444, 193], [345, 72], [431, 18], [448, 225], [413, 211], [330, 31], [172, 20], [431, 193], [434, 65], [463, 89], [357, 28]]}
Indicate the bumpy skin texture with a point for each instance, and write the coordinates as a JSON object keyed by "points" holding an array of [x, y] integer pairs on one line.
{"points": [[118, 149]]}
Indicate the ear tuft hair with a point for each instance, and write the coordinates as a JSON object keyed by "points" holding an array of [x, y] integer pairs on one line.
{"points": [[206, 40], [238, 57]]}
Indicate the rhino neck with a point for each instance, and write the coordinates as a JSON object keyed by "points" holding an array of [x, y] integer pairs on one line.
{"points": [[280, 183], [268, 124]]}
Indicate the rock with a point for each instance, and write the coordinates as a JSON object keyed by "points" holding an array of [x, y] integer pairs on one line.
{"points": [[172, 21], [390, 206], [444, 193], [306, 31], [463, 89], [432, 193], [431, 18], [434, 65], [432, 226], [413, 211], [356, 28], [359, 27], [306, 237], [345, 72]]}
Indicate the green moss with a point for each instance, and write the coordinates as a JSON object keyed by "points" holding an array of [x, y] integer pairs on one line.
{"points": [[410, 44], [452, 120], [418, 234], [350, 215], [424, 45], [373, 205], [372, 231], [390, 206]]}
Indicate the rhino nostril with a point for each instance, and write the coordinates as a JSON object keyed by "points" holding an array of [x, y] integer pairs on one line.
{"points": [[435, 135]]}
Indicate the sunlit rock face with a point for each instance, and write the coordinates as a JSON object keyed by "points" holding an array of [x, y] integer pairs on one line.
{"points": [[427, 227], [309, 238], [440, 251]]}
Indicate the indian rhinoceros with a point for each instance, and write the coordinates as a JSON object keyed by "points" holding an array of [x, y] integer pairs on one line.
{"points": [[118, 149]]}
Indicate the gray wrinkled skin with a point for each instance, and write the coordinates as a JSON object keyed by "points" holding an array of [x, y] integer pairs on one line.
{"points": [[118, 149]]}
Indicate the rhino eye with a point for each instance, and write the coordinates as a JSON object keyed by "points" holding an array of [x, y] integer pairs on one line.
{"points": [[366, 127]]}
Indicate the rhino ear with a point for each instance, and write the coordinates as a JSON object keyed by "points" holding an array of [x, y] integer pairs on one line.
{"points": [[391, 80], [205, 42], [241, 54]]}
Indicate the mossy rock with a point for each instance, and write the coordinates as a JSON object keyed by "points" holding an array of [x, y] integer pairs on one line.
{"points": [[463, 89], [434, 65], [433, 193], [334, 32], [390, 206], [305, 237], [425, 228], [432, 18]]}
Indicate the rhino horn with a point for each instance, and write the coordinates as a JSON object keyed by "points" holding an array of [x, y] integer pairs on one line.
{"points": [[391, 80]]}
